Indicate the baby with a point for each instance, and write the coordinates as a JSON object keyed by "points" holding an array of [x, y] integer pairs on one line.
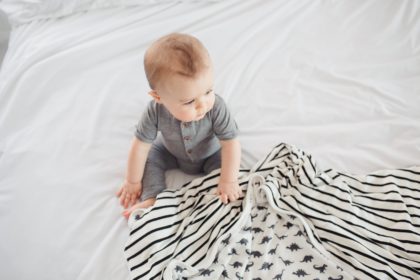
{"points": [[197, 132]]}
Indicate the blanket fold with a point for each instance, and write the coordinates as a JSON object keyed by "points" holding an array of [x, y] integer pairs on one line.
{"points": [[294, 221]]}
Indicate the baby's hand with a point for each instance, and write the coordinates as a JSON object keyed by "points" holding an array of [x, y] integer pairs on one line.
{"points": [[229, 190], [129, 193]]}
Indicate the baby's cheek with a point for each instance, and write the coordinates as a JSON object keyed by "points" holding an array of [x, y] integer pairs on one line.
{"points": [[212, 102]]}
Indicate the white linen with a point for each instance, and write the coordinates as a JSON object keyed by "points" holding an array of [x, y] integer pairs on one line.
{"points": [[24, 11], [338, 79]]}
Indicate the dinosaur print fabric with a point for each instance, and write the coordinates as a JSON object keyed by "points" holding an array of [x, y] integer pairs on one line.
{"points": [[294, 222], [269, 246]]}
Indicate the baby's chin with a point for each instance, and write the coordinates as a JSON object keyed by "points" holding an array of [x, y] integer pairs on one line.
{"points": [[197, 118]]}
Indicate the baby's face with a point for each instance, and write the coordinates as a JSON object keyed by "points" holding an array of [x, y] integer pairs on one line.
{"points": [[188, 99]]}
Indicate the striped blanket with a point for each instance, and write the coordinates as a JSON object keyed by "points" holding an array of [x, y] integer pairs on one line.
{"points": [[294, 222]]}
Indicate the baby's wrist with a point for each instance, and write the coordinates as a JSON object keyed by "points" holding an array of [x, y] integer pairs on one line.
{"points": [[228, 181], [132, 183]]}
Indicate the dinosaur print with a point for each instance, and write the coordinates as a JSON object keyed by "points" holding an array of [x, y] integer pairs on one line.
{"points": [[265, 217], [255, 254], [265, 239], [243, 241], [339, 278], [206, 272], [225, 274], [293, 247], [248, 266], [299, 233], [288, 225], [280, 237], [226, 241], [286, 262], [179, 269], [321, 268], [247, 229], [273, 251], [216, 259], [238, 276], [236, 264], [279, 276], [257, 230], [307, 258], [300, 272], [266, 265], [233, 252]]}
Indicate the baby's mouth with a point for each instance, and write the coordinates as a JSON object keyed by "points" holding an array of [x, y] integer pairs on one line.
{"points": [[200, 116]]}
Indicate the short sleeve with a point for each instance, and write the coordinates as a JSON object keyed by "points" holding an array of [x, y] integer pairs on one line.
{"points": [[147, 128], [224, 125]]}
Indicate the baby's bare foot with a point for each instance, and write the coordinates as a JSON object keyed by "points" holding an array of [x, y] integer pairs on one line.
{"points": [[144, 204]]}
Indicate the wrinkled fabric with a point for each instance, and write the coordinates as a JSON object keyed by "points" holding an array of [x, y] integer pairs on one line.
{"points": [[289, 224]]}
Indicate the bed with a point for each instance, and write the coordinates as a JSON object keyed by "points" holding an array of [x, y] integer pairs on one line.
{"points": [[324, 93]]}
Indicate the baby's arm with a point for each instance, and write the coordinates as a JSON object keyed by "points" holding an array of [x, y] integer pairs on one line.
{"points": [[130, 190], [231, 158]]}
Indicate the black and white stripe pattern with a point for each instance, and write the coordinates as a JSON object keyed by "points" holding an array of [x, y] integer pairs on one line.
{"points": [[183, 225], [368, 225]]}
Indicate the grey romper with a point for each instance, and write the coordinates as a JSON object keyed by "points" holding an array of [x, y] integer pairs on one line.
{"points": [[192, 147]]}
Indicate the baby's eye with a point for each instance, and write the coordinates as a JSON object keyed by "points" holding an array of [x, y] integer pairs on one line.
{"points": [[189, 102]]}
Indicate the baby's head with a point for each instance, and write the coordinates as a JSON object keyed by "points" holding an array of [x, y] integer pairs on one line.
{"points": [[180, 75]]}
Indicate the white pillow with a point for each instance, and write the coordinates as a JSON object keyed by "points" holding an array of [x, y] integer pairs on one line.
{"points": [[23, 11]]}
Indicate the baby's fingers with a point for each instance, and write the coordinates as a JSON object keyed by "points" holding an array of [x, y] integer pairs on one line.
{"points": [[127, 201], [119, 192], [122, 197], [224, 198], [233, 197], [133, 199], [240, 192], [125, 198]]}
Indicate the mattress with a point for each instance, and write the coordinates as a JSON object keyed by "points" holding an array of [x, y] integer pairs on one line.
{"points": [[338, 79]]}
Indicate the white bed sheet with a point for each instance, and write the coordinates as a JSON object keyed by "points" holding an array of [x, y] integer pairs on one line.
{"points": [[338, 79]]}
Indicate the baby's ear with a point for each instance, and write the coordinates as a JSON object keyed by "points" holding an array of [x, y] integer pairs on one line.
{"points": [[155, 95]]}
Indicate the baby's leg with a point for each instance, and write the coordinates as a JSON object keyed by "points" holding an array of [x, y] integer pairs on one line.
{"points": [[158, 161]]}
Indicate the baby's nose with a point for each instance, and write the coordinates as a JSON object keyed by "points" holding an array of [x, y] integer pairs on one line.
{"points": [[199, 104]]}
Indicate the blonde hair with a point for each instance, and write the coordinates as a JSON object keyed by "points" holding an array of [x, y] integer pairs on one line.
{"points": [[175, 54]]}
